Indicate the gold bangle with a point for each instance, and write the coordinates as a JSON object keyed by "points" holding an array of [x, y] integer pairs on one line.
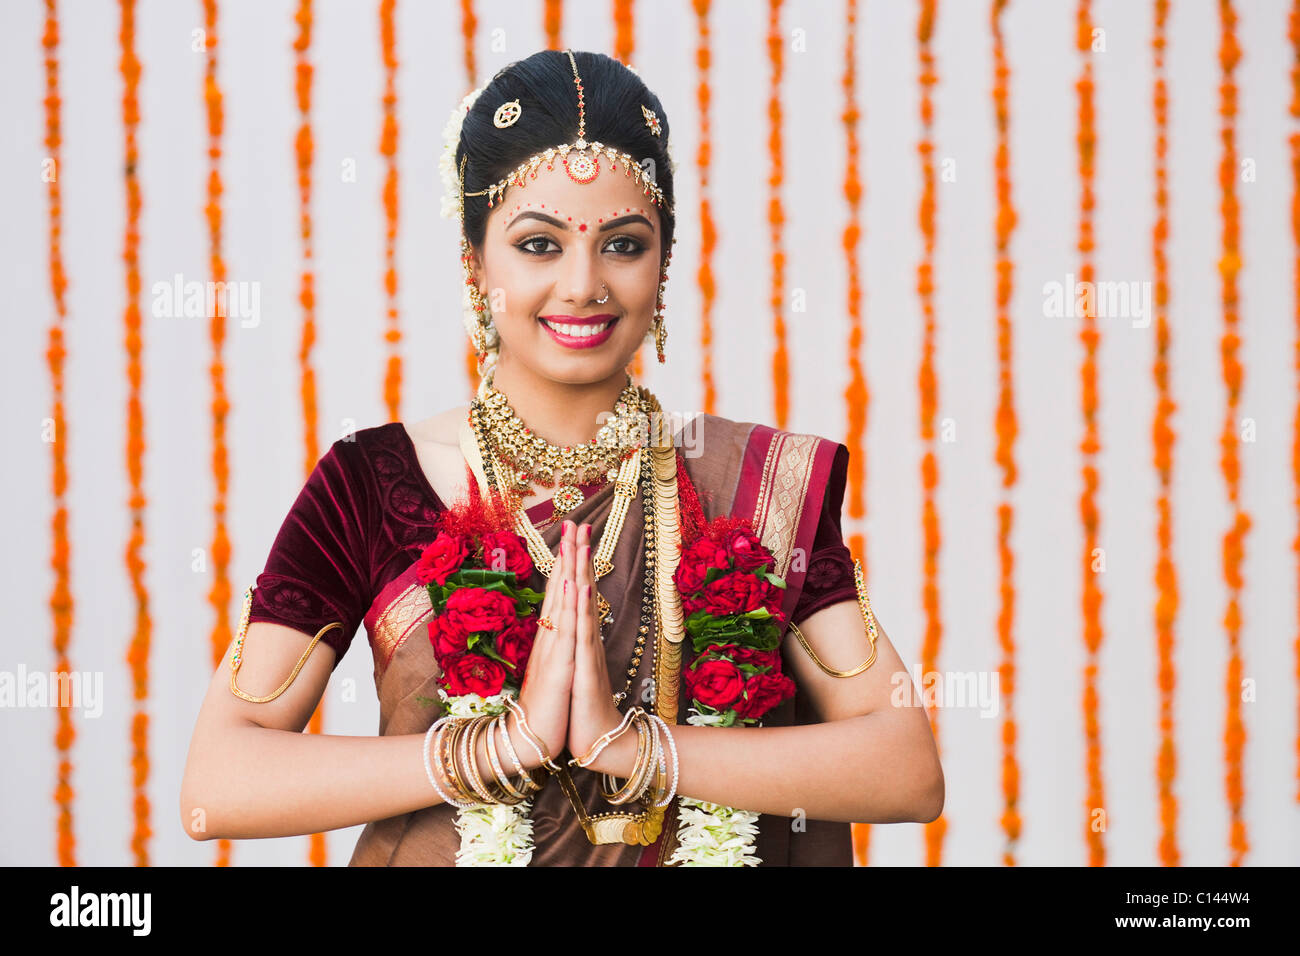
{"points": [[864, 606], [463, 791], [237, 657], [440, 745], [605, 739], [469, 754], [529, 782], [510, 795], [629, 791]]}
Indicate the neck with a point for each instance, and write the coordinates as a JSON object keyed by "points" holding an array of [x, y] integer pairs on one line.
{"points": [[560, 412]]}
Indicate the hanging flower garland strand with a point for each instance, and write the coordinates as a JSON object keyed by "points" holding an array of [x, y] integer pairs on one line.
{"points": [[1166, 577], [1234, 735], [776, 215], [1094, 805], [934, 830], [138, 652], [1007, 429], [61, 603], [708, 231], [388, 149]]}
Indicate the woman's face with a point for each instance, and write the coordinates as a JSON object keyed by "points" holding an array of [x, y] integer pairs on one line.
{"points": [[551, 249]]}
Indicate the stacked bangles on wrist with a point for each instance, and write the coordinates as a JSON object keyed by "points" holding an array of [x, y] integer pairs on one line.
{"points": [[455, 749], [649, 779]]}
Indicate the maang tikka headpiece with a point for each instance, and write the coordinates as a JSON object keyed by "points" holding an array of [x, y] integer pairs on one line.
{"points": [[581, 161]]}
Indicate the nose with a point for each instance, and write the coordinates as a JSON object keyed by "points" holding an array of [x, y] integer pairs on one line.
{"points": [[580, 280]]}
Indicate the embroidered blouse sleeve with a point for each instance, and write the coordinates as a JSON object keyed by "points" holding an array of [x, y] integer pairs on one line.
{"points": [[830, 565], [316, 572]]}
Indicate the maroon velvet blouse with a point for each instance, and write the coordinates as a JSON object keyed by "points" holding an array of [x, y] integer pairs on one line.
{"points": [[367, 511]]}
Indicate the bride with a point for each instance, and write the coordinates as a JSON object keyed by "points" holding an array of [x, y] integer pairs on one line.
{"points": [[560, 174]]}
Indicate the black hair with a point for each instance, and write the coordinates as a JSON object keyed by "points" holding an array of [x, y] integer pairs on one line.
{"points": [[548, 98]]}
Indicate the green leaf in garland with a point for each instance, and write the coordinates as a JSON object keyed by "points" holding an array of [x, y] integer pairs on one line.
{"points": [[714, 573], [426, 701], [486, 649], [774, 579]]}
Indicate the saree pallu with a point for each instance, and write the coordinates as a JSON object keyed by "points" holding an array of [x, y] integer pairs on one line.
{"points": [[777, 478]]}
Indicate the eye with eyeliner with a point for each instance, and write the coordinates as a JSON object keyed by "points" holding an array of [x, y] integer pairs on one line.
{"points": [[637, 247]]}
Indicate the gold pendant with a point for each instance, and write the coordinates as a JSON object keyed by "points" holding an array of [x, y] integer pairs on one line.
{"points": [[566, 498]]}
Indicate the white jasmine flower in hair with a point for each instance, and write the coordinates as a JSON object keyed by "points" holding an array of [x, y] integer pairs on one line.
{"points": [[447, 162]]}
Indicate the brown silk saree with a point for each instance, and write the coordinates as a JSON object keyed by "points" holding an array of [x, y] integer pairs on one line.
{"points": [[790, 485]]}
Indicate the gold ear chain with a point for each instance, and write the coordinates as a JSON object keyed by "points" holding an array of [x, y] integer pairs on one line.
{"points": [[867, 617]]}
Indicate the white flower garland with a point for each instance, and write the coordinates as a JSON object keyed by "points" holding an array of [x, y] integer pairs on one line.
{"points": [[491, 834], [710, 834]]}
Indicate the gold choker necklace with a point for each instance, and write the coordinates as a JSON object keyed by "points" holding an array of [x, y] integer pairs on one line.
{"points": [[531, 460]]}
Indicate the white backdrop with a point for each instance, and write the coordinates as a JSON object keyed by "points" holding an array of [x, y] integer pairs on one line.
{"points": [[261, 244]]}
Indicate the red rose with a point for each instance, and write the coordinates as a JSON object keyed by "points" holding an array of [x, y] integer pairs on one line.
{"points": [[746, 550], [695, 564], [478, 609], [442, 559], [734, 593], [746, 655], [763, 692], [473, 674], [506, 551], [716, 683], [773, 598], [446, 638], [515, 644]]}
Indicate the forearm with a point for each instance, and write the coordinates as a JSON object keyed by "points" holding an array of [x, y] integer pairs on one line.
{"points": [[869, 769], [275, 783]]}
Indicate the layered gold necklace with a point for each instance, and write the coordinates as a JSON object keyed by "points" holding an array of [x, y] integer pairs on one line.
{"points": [[520, 459]]}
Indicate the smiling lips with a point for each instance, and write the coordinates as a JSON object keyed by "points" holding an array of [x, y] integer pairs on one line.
{"points": [[579, 332]]}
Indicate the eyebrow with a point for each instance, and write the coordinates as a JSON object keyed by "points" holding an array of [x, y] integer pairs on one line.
{"points": [[612, 224]]}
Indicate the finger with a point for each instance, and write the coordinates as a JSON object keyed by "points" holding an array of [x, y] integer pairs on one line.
{"points": [[552, 595]]}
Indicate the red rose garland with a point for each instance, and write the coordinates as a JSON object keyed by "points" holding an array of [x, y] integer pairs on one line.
{"points": [[484, 615], [732, 602]]}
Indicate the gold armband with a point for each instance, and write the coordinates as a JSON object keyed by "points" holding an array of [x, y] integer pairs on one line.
{"points": [[237, 657], [868, 619]]}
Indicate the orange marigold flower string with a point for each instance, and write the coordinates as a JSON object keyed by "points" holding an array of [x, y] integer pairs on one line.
{"points": [[61, 603], [1294, 33], [303, 149], [1234, 735], [468, 30], [1166, 578], [624, 43], [388, 149], [856, 397], [776, 215], [1094, 804], [219, 595], [927, 78], [1006, 427], [552, 16], [138, 652], [708, 233]]}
